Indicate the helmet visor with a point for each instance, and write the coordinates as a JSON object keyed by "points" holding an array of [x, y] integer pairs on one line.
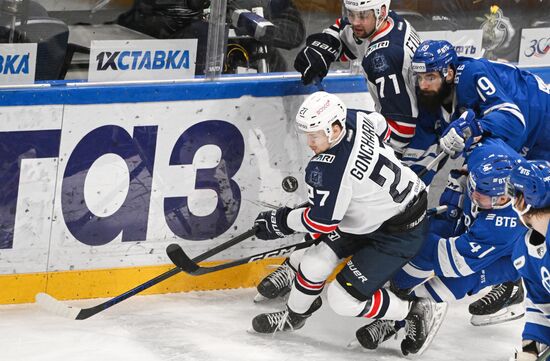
{"points": [[353, 15]]}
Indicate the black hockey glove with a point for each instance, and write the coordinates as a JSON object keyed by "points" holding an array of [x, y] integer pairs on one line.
{"points": [[314, 60], [272, 224]]}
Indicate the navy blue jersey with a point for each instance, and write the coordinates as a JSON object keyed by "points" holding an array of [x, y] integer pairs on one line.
{"points": [[532, 260], [511, 104], [358, 183], [386, 59]]}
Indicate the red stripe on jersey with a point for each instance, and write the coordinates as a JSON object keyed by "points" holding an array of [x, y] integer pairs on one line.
{"points": [[317, 226], [315, 235], [387, 135], [376, 304], [338, 21], [389, 23], [402, 129], [306, 284]]}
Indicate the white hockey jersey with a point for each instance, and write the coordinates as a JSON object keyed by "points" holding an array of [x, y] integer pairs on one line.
{"points": [[357, 184]]}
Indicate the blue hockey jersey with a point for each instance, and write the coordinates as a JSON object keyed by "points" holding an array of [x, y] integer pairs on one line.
{"points": [[511, 104], [424, 146], [532, 260]]}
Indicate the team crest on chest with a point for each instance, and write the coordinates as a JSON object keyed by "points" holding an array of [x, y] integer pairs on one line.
{"points": [[316, 177]]}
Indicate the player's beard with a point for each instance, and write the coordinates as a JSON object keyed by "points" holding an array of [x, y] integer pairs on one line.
{"points": [[431, 101]]}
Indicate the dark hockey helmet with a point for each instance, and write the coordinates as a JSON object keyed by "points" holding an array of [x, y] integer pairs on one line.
{"points": [[489, 176], [434, 55], [532, 179]]}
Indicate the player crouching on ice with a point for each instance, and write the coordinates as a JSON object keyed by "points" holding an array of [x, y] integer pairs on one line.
{"points": [[364, 203], [529, 185], [475, 256]]}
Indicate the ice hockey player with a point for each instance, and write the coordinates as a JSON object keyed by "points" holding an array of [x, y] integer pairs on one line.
{"points": [[529, 184], [502, 101], [476, 255], [364, 203], [493, 100], [384, 42]]}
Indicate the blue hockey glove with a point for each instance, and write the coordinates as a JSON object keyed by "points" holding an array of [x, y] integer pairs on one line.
{"points": [[453, 195], [460, 134], [314, 60], [272, 224]]}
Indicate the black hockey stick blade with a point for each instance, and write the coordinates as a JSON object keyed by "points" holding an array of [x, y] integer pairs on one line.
{"points": [[181, 259], [194, 269]]}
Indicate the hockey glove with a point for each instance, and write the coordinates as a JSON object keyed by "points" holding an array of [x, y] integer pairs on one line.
{"points": [[460, 134], [314, 60], [453, 195], [272, 224]]}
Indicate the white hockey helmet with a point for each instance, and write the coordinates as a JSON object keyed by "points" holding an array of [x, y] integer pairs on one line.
{"points": [[361, 6], [319, 112]]}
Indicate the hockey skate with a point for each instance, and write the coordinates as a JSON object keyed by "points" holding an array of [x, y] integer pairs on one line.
{"points": [[373, 334], [276, 284], [284, 320], [423, 322], [503, 303]]}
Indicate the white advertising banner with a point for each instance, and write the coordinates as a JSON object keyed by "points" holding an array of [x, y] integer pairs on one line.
{"points": [[466, 42], [534, 49], [112, 185], [17, 64], [128, 60]]}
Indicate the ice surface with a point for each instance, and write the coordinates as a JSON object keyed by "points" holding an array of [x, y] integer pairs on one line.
{"points": [[213, 326]]}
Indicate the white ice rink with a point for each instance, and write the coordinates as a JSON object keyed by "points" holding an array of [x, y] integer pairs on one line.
{"points": [[213, 326]]}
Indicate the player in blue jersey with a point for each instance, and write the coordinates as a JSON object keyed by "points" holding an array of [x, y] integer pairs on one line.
{"points": [[365, 204], [475, 255], [491, 99], [385, 44], [529, 184]]}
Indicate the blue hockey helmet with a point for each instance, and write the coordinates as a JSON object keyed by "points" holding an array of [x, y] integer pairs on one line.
{"points": [[489, 176], [532, 179], [434, 55]]}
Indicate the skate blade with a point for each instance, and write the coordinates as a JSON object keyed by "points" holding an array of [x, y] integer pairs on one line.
{"points": [[440, 310], [260, 299], [264, 300], [510, 313], [353, 344]]}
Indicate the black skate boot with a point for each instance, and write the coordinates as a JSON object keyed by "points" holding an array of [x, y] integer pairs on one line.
{"points": [[503, 303], [423, 322], [276, 284], [283, 320], [373, 334]]}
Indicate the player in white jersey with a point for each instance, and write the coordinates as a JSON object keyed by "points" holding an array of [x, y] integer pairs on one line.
{"points": [[364, 203], [384, 42], [529, 185]]}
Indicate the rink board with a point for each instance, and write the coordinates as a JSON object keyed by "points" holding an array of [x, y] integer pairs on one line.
{"points": [[98, 180]]}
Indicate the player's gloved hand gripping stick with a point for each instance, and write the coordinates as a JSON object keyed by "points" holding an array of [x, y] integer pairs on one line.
{"points": [[53, 305]]}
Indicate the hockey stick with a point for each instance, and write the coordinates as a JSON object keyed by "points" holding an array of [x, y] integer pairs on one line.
{"points": [[545, 355], [59, 308], [186, 264], [181, 260], [432, 164]]}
